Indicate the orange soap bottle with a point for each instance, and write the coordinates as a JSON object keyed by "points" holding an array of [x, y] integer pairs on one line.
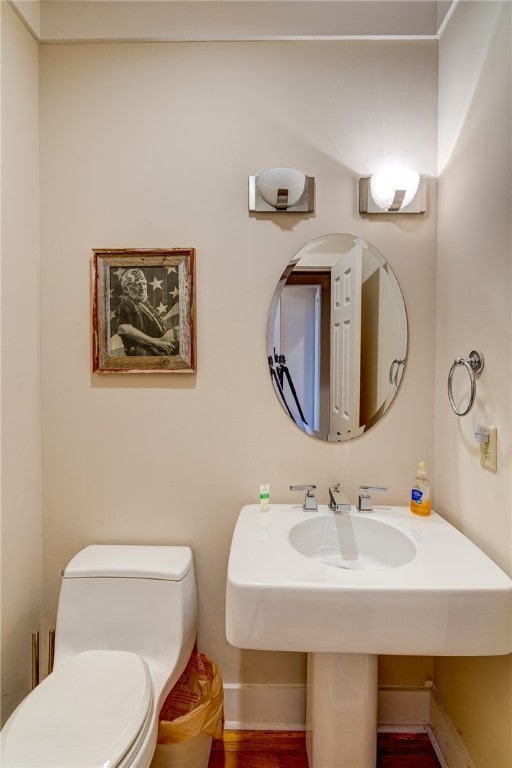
{"points": [[420, 494]]}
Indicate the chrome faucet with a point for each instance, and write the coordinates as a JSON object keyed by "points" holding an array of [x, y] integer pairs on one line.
{"points": [[334, 503], [310, 500], [364, 503]]}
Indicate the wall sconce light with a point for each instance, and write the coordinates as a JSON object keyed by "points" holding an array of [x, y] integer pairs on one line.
{"points": [[282, 189], [396, 190]]}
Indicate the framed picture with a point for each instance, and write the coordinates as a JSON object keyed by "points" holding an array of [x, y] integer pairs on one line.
{"points": [[144, 311]]}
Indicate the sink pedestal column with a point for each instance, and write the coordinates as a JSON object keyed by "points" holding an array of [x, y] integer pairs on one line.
{"points": [[341, 718]]}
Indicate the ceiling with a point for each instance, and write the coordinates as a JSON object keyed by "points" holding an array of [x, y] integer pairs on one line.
{"points": [[236, 20]]}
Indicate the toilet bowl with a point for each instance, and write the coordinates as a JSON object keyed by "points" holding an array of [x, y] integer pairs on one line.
{"points": [[126, 625]]}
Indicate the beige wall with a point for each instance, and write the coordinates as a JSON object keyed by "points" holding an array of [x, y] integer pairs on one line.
{"points": [[474, 301], [151, 145], [21, 547]]}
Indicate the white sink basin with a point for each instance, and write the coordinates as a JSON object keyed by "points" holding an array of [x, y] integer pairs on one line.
{"points": [[352, 542], [400, 584]]}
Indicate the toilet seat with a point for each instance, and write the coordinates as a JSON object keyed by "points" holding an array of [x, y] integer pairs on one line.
{"points": [[94, 710]]}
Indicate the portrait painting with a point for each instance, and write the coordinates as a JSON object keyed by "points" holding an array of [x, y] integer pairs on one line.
{"points": [[144, 311]]}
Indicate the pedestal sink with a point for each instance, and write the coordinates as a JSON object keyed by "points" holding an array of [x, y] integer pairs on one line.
{"points": [[345, 587]]}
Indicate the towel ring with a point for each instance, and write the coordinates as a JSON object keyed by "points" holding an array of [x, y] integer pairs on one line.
{"points": [[474, 364]]}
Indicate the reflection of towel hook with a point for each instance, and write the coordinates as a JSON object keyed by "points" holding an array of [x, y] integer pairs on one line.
{"points": [[474, 364], [394, 372]]}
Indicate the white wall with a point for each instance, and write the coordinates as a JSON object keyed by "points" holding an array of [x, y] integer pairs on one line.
{"points": [[151, 145], [21, 547], [474, 301]]}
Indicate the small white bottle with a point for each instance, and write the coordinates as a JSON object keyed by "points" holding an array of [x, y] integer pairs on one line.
{"points": [[420, 493]]}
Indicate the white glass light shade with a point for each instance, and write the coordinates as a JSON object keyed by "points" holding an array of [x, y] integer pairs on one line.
{"points": [[385, 185], [281, 187]]}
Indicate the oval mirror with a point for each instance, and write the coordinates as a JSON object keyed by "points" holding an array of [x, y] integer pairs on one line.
{"points": [[337, 337]]}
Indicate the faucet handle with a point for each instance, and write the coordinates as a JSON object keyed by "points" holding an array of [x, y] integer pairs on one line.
{"points": [[310, 500], [365, 500]]}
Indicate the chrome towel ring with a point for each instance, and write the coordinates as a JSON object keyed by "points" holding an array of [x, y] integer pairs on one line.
{"points": [[474, 364]]}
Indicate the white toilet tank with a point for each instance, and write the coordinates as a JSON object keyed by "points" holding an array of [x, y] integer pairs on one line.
{"points": [[129, 598]]}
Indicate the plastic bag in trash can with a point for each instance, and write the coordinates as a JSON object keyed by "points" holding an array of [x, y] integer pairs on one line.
{"points": [[195, 704]]}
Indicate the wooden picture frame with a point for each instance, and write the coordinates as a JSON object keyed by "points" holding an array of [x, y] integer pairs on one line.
{"points": [[144, 310]]}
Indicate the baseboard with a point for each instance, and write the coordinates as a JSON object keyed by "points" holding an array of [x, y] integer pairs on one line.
{"points": [[404, 709], [283, 707], [445, 739], [257, 707]]}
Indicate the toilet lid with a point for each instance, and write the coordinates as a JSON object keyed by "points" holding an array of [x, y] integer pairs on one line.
{"points": [[86, 714]]}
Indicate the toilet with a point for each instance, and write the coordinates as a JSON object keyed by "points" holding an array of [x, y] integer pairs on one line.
{"points": [[126, 626]]}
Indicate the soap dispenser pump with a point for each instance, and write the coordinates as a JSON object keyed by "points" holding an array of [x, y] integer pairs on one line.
{"points": [[420, 494]]}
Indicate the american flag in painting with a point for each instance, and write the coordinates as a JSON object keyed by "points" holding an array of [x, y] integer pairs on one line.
{"points": [[163, 295]]}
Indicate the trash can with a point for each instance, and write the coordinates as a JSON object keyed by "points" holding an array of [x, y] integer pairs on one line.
{"points": [[191, 716]]}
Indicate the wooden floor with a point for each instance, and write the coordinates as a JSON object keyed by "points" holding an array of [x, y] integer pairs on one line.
{"points": [[284, 749]]}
